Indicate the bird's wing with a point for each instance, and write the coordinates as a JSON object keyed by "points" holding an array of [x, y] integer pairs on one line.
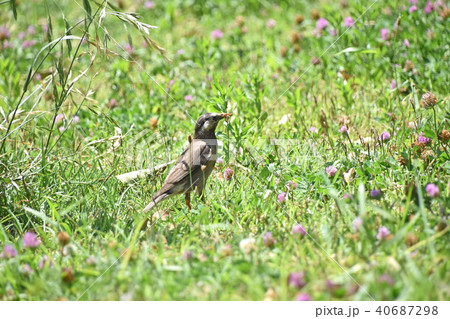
{"points": [[190, 163]]}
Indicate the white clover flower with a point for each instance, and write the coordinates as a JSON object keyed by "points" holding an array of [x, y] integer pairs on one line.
{"points": [[247, 245]]}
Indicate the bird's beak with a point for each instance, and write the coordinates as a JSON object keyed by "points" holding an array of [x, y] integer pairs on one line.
{"points": [[226, 116]]}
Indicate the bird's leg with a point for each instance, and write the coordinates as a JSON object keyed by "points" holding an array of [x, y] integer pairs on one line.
{"points": [[187, 199], [199, 191], [201, 194]]}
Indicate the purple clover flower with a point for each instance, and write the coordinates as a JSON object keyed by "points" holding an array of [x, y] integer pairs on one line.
{"points": [[406, 43], [113, 103], [299, 229], [27, 44], [322, 24], [30, 240], [217, 34], [375, 194], [429, 7], [31, 30], [412, 9], [423, 139], [387, 279], [303, 297], [76, 119], [188, 98], [314, 130], [385, 136], [149, 4], [343, 130], [383, 232], [331, 285], [393, 85], [297, 279], [281, 198], [331, 171], [27, 269], [128, 48], [43, 262], [357, 224], [349, 22], [271, 23], [347, 197], [384, 33], [268, 239], [59, 118], [7, 45], [292, 185], [432, 190], [8, 252], [228, 174], [187, 254], [4, 33]]}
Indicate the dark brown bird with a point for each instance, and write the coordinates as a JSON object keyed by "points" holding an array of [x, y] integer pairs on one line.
{"points": [[195, 163]]}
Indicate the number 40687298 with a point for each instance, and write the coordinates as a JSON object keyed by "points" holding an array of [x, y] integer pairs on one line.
{"points": [[407, 310]]}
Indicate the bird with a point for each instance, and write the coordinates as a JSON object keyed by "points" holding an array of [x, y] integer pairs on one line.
{"points": [[195, 163]]}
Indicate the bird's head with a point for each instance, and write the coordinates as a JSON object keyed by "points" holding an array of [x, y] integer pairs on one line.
{"points": [[207, 123]]}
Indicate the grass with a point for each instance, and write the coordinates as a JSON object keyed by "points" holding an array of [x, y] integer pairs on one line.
{"points": [[76, 114]]}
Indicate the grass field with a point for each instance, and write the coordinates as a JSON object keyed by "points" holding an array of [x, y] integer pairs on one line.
{"points": [[333, 181]]}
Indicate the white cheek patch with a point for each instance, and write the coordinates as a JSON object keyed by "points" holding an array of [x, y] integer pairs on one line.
{"points": [[207, 125]]}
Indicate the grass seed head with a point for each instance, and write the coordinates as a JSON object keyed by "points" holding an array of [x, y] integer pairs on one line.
{"points": [[67, 275], [315, 14], [295, 36], [299, 18], [63, 238], [283, 51], [411, 239]]}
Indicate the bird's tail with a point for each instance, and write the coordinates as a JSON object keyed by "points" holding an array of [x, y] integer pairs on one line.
{"points": [[155, 201]]}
